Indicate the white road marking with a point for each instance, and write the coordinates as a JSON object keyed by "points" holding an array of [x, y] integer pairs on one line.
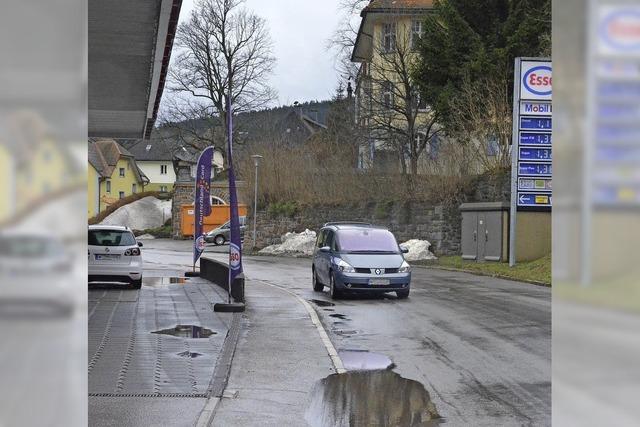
{"points": [[324, 337]]}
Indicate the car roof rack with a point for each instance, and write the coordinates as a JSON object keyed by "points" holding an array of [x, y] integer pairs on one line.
{"points": [[356, 223]]}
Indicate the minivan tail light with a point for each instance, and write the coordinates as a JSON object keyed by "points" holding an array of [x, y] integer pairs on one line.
{"points": [[132, 252]]}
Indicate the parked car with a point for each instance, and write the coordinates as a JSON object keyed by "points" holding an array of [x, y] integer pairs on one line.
{"points": [[222, 234], [359, 257], [114, 255], [34, 270]]}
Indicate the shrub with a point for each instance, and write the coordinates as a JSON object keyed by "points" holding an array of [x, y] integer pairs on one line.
{"points": [[288, 209]]}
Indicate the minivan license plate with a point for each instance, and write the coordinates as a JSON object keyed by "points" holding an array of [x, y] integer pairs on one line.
{"points": [[378, 282]]}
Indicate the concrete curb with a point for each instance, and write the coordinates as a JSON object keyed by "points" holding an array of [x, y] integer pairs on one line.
{"points": [[221, 372], [480, 273]]}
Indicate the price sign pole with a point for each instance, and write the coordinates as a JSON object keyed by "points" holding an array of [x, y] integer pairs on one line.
{"points": [[531, 153]]}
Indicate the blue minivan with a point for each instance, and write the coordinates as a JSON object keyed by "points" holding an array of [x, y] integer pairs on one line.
{"points": [[358, 257]]}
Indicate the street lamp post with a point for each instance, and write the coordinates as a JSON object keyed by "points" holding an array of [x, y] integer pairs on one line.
{"points": [[256, 160]]}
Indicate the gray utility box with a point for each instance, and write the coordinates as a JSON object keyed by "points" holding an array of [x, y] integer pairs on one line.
{"points": [[485, 231]]}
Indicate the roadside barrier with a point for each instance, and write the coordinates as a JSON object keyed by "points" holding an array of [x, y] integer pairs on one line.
{"points": [[218, 273]]}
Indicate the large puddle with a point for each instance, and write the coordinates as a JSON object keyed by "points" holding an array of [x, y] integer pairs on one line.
{"points": [[370, 398], [187, 331]]}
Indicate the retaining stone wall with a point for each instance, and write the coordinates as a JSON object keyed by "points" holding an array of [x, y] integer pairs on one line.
{"points": [[439, 224]]}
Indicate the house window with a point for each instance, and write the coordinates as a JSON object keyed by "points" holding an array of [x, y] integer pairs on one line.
{"points": [[108, 185], [389, 37], [122, 172], [217, 201], [416, 33], [387, 95], [134, 188], [148, 148], [420, 137], [434, 147], [163, 169], [163, 188], [420, 102], [493, 147], [121, 194]]}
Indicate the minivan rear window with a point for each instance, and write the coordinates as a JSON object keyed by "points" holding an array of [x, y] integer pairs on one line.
{"points": [[111, 238], [367, 240]]}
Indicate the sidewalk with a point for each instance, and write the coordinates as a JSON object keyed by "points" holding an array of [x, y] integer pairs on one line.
{"points": [[275, 365], [143, 370]]}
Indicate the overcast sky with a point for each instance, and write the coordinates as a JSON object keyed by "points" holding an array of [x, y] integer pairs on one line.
{"points": [[305, 70]]}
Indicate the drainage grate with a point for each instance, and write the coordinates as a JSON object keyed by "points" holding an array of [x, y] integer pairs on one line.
{"points": [[173, 395]]}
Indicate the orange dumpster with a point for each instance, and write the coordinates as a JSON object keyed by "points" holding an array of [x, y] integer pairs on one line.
{"points": [[219, 215]]}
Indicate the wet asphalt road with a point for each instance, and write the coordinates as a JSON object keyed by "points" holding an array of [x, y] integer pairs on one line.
{"points": [[480, 346]]}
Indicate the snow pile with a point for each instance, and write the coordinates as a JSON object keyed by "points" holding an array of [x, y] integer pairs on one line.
{"points": [[148, 212], [418, 250], [293, 244], [146, 237]]}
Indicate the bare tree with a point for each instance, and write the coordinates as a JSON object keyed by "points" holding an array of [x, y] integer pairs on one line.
{"points": [[483, 119], [224, 55], [343, 38], [390, 105]]}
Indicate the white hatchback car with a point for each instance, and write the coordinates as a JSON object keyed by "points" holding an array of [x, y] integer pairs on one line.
{"points": [[114, 255]]}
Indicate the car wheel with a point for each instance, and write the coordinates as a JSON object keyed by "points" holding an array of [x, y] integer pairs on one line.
{"points": [[403, 294], [333, 291], [219, 240], [317, 286], [136, 284]]}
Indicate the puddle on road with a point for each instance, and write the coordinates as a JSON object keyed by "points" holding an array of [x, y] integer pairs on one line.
{"points": [[187, 331], [339, 316], [189, 354], [370, 398], [163, 281], [363, 360], [327, 309], [321, 303]]}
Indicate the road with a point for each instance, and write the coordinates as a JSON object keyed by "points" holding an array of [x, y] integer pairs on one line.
{"points": [[480, 346]]}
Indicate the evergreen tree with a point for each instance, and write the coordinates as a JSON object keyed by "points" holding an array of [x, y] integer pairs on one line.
{"points": [[475, 42]]}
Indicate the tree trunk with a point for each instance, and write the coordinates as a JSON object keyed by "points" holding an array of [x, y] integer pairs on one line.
{"points": [[414, 164]]}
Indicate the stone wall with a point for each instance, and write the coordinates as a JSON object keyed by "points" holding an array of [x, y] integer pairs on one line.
{"points": [[439, 224]]}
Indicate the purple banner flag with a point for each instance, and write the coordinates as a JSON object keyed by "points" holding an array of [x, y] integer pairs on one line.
{"points": [[235, 243], [202, 206]]}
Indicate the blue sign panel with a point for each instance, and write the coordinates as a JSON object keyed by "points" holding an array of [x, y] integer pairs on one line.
{"points": [[534, 199], [530, 138], [534, 169], [527, 153], [535, 123]]}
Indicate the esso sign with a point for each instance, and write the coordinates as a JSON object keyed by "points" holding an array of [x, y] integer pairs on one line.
{"points": [[536, 80], [620, 29]]}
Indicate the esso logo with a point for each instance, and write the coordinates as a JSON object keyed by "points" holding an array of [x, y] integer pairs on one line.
{"points": [[538, 80], [234, 256], [621, 29]]}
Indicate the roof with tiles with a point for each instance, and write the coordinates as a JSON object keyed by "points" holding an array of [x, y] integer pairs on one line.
{"points": [[381, 5], [104, 155], [155, 149]]}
